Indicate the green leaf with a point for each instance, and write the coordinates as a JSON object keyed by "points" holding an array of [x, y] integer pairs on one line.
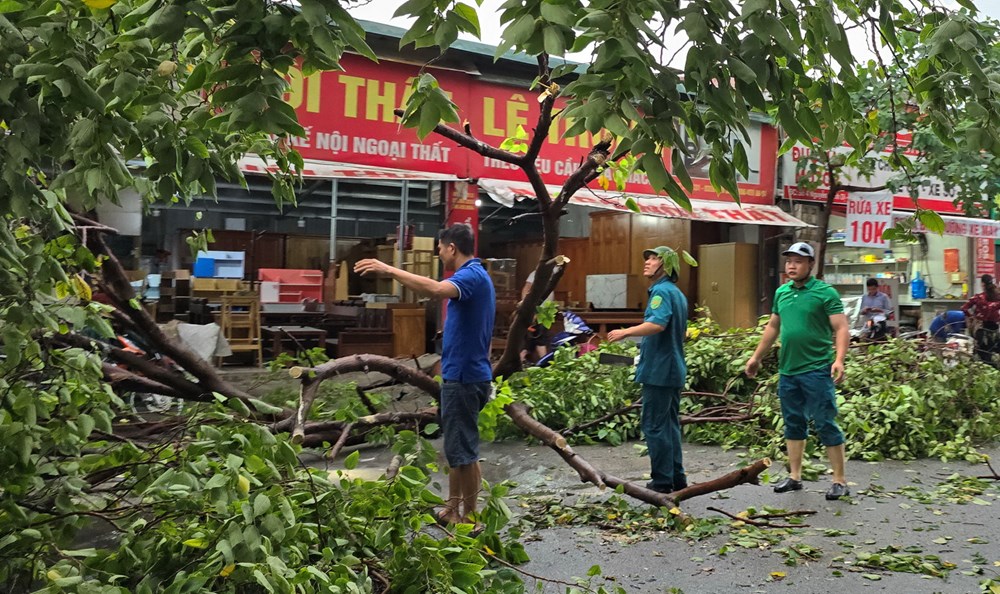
{"points": [[559, 13], [196, 146], [689, 259], [261, 504], [414, 7], [740, 161], [196, 79], [652, 165], [695, 26], [555, 44], [11, 6], [932, 221], [751, 7], [741, 71], [470, 15], [263, 581], [680, 170], [430, 117], [632, 205], [351, 461], [265, 408]]}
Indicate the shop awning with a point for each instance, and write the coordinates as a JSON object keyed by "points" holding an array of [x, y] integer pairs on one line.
{"points": [[331, 170], [507, 193]]}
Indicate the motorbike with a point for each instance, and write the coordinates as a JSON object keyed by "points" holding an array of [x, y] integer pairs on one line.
{"points": [[575, 332], [143, 402], [876, 327]]}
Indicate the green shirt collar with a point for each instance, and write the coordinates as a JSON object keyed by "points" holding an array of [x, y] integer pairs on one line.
{"points": [[809, 284]]}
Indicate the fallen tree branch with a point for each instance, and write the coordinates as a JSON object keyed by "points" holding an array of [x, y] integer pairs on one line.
{"points": [[122, 381], [547, 275], [588, 473], [312, 378], [746, 475], [994, 476], [791, 514], [366, 401], [702, 420], [121, 292], [393, 468], [344, 434], [317, 432], [149, 370], [602, 419], [762, 524], [715, 414]]}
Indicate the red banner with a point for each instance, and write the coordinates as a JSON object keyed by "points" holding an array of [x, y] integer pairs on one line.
{"points": [[985, 257], [349, 118], [931, 195]]}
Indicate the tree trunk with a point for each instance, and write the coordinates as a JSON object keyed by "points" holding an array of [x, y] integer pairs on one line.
{"points": [[824, 221]]}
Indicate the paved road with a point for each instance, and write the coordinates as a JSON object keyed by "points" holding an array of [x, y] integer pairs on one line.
{"points": [[895, 504], [878, 515]]}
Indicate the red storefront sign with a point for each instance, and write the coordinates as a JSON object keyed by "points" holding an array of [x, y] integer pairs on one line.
{"points": [[985, 257], [931, 195], [348, 117]]}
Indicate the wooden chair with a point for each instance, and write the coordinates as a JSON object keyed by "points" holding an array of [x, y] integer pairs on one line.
{"points": [[240, 321]]}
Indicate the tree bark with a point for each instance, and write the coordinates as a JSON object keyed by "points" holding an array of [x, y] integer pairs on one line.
{"points": [[312, 378]]}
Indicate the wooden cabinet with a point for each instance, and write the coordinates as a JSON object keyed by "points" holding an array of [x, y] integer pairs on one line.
{"points": [[727, 283], [408, 323]]}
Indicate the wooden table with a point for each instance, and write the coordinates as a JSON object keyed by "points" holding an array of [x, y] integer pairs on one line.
{"points": [[279, 336], [603, 321]]}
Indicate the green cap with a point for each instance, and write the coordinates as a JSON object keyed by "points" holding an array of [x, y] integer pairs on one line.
{"points": [[660, 252]]}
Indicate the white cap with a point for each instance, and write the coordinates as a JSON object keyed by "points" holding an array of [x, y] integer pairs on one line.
{"points": [[800, 249]]}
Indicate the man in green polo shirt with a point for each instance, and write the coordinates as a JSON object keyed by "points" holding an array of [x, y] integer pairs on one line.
{"points": [[809, 316]]}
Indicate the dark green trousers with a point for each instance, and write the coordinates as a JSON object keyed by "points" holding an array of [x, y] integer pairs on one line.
{"points": [[661, 426]]}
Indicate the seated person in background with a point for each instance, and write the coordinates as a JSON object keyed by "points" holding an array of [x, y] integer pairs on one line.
{"points": [[536, 342], [983, 316], [875, 302], [945, 323]]}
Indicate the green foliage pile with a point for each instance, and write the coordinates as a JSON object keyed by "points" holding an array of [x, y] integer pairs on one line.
{"points": [[899, 399], [573, 391], [228, 507]]}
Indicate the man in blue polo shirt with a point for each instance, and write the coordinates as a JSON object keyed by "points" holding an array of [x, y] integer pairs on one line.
{"points": [[465, 363], [662, 370]]}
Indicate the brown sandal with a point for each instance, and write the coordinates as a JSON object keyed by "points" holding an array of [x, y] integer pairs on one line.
{"points": [[444, 518]]}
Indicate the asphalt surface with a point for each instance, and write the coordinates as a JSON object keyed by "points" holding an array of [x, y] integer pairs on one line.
{"points": [[893, 504], [901, 505], [911, 510]]}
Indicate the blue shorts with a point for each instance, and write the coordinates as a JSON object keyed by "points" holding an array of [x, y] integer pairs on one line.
{"points": [[460, 406], [810, 396]]}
